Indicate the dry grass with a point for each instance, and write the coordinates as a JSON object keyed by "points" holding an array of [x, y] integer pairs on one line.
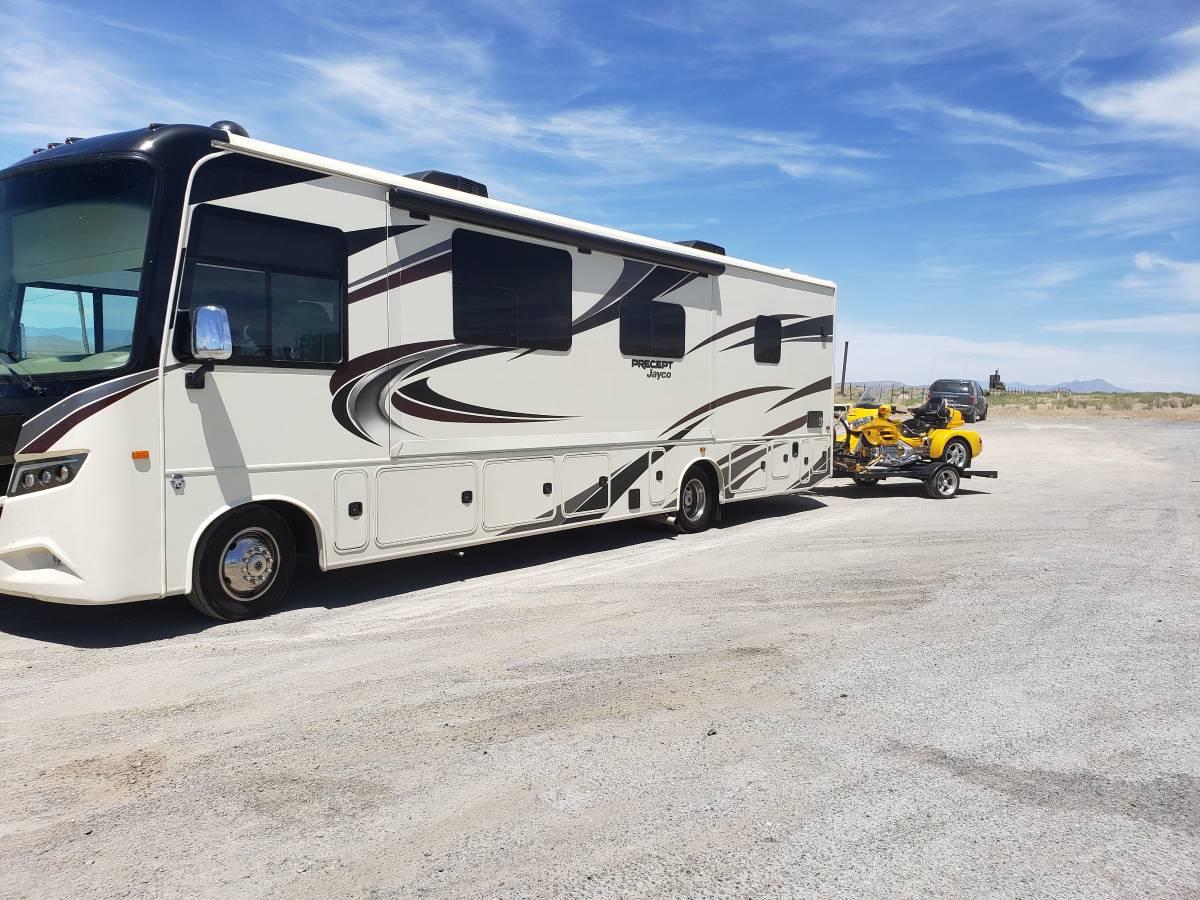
{"points": [[1175, 406]]}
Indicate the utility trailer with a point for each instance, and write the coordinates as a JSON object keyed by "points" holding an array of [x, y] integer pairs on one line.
{"points": [[941, 479]]}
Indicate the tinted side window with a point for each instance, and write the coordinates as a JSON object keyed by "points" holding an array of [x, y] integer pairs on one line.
{"points": [[510, 293], [281, 282], [768, 338], [652, 329]]}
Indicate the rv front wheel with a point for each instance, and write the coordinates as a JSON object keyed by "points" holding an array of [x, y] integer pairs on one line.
{"points": [[697, 499], [244, 564]]}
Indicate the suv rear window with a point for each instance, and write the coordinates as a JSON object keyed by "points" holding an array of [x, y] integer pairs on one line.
{"points": [[961, 387]]}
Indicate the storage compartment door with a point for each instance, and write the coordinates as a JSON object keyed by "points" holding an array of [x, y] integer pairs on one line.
{"points": [[748, 468], [585, 484], [658, 477], [782, 466], [820, 449], [518, 491], [353, 515], [424, 503]]}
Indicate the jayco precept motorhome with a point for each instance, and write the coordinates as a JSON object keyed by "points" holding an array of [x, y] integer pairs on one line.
{"points": [[216, 353]]}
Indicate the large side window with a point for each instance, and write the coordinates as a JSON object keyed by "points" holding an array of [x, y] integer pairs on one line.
{"points": [[281, 282], [510, 293], [652, 329], [768, 339]]}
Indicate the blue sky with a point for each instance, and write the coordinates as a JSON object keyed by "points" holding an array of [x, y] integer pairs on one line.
{"points": [[991, 184]]}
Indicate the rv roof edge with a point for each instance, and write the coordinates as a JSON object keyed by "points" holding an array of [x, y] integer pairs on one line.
{"points": [[471, 214], [330, 166]]}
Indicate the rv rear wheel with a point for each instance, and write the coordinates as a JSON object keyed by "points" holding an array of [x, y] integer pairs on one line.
{"points": [[244, 564], [697, 500]]}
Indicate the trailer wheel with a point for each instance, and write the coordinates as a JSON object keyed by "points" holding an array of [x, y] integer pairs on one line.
{"points": [[865, 480], [244, 564], [697, 501], [958, 453], [943, 483]]}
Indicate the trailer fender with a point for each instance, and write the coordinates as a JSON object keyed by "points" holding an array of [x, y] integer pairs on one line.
{"points": [[942, 436]]}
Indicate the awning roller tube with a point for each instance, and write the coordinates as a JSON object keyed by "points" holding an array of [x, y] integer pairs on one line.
{"points": [[443, 208]]}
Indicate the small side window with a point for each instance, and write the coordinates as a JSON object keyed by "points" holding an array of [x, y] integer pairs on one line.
{"points": [[281, 282], [510, 293], [654, 330], [768, 339]]}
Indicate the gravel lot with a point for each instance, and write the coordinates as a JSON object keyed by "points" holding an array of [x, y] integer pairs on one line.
{"points": [[857, 693]]}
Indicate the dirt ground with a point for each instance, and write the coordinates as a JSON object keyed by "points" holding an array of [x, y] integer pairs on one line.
{"points": [[863, 692]]}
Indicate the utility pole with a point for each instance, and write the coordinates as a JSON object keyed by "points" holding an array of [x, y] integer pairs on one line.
{"points": [[845, 356]]}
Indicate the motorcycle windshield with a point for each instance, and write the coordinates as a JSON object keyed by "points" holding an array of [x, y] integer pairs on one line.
{"points": [[869, 400]]}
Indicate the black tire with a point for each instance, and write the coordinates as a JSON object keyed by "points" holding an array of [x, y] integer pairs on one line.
{"points": [[865, 480], [971, 417], [268, 552], [943, 483], [957, 452], [697, 501], [983, 418]]}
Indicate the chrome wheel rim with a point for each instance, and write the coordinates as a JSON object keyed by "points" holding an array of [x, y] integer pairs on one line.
{"points": [[695, 499], [248, 565], [945, 482], [956, 454]]}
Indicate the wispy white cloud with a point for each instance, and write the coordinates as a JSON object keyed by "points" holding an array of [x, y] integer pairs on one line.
{"points": [[1152, 323], [1056, 275], [384, 101], [1039, 153], [53, 77], [916, 358], [1170, 279], [1163, 106], [895, 35], [1120, 211], [1171, 286]]}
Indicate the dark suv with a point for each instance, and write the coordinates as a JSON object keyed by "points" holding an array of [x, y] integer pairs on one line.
{"points": [[964, 395]]}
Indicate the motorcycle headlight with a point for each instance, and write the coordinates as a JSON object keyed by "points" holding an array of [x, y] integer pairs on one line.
{"points": [[43, 474]]}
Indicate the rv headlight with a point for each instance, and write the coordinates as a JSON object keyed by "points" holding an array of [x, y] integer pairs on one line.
{"points": [[43, 474]]}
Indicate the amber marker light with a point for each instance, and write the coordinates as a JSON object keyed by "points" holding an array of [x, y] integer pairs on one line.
{"points": [[140, 454]]}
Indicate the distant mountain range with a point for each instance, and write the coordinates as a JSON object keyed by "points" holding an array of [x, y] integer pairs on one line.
{"points": [[1092, 386]]}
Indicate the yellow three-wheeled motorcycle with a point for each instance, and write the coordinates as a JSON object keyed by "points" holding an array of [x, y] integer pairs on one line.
{"points": [[931, 446]]}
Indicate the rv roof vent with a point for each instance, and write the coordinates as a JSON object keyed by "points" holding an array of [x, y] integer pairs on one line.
{"points": [[454, 182], [703, 245], [230, 127]]}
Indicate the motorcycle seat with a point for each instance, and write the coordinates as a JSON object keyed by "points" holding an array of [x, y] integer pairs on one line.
{"points": [[932, 414], [915, 428]]}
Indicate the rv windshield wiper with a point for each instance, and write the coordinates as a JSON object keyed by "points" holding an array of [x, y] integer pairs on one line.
{"points": [[26, 382]]}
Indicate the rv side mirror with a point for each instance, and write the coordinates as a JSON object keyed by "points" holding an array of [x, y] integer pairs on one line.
{"points": [[211, 339]]}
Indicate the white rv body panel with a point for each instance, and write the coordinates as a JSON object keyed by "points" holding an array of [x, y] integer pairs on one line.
{"points": [[412, 440]]}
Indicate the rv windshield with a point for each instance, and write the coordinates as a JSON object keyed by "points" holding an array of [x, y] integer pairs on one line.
{"points": [[72, 245]]}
